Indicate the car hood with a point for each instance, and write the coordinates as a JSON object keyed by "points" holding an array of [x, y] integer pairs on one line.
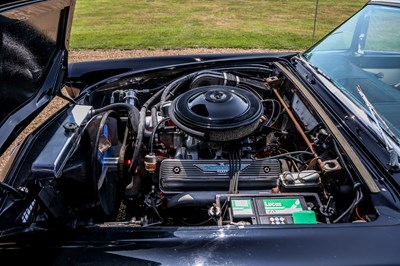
{"points": [[34, 39]]}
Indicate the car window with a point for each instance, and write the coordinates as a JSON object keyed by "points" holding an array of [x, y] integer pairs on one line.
{"points": [[383, 32], [368, 56], [340, 39]]}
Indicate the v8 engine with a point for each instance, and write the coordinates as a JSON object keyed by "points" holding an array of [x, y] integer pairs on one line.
{"points": [[221, 145]]}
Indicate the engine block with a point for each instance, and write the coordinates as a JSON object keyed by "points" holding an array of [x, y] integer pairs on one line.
{"points": [[213, 175]]}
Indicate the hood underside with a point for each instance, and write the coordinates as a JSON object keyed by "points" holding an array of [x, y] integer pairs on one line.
{"points": [[34, 38]]}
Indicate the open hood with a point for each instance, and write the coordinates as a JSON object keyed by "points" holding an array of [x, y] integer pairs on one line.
{"points": [[34, 39]]}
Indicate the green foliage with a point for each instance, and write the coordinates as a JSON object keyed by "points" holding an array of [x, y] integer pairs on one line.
{"points": [[151, 24]]}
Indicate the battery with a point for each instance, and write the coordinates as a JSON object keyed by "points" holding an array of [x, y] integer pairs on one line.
{"points": [[274, 210], [279, 210], [242, 210]]}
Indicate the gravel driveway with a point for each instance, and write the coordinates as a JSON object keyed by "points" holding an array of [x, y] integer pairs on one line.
{"points": [[89, 55]]}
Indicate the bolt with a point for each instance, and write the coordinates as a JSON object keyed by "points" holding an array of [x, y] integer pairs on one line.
{"points": [[70, 126], [267, 169], [176, 170]]}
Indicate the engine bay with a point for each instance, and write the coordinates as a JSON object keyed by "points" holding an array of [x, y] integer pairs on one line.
{"points": [[230, 145]]}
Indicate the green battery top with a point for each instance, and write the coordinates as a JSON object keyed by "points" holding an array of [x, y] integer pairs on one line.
{"points": [[274, 206]]}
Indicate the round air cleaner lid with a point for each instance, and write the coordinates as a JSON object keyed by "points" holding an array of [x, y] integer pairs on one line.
{"points": [[216, 108]]}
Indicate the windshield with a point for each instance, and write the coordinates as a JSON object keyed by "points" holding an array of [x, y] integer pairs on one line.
{"points": [[365, 51]]}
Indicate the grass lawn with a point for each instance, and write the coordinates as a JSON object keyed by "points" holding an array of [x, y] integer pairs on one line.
{"points": [[151, 24]]}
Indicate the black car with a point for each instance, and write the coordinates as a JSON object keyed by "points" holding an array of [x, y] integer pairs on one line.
{"points": [[240, 159]]}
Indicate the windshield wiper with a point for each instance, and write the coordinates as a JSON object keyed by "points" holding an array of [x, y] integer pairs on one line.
{"points": [[394, 156]]}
